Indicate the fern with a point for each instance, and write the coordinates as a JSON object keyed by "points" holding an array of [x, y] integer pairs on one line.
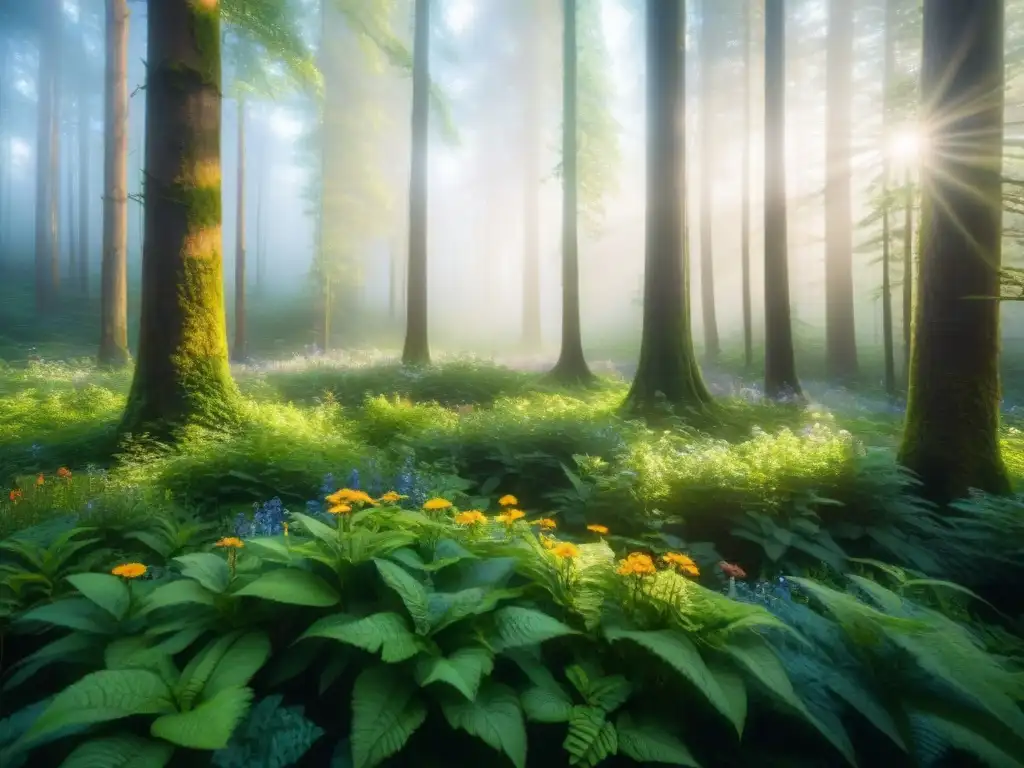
{"points": [[271, 736]]}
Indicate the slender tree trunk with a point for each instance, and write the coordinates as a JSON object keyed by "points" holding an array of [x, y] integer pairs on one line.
{"points": [[417, 347], [908, 272], [780, 378], [182, 372], [114, 266], [571, 367], [84, 211], [708, 39], [668, 370], [238, 350], [533, 133], [261, 182], [47, 246], [951, 433], [5, 165], [889, 67], [69, 196], [748, 315]]}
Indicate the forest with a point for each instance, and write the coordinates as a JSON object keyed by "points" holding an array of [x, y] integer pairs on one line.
{"points": [[528, 383]]}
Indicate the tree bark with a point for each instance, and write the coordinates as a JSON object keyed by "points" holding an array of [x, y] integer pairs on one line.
{"points": [[238, 350], [667, 372], [748, 316], [417, 346], [5, 159], [951, 433], [908, 272], [182, 373], [571, 367], [889, 66], [114, 266], [261, 183], [47, 246], [69, 197], [84, 209], [708, 39], [780, 378], [532, 137]]}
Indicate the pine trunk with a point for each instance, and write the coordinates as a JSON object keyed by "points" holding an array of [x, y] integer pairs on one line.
{"points": [[712, 347], [69, 197], [238, 350], [5, 158], [84, 209], [533, 133], [182, 373], [908, 273], [47, 245], [951, 434], [889, 66], [748, 318]]}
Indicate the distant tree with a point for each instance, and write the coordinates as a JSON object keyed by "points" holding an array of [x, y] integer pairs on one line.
{"points": [[84, 183], [748, 319], [47, 245], [951, 435], [533, 137], [889, 66], [710, 38], [668, 370]]}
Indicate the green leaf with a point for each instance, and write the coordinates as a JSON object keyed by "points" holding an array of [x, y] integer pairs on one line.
{"points": [[608, 693], [386, 633], [108, 592], [292, 586], [494, 717], [208, 569], [67, 648], [649, 742], [679, 652], [135, 653], [735, 691], [209, 725], [546, 705], [591, 737], [386, 712], [73, 613], [463, 670], [243, 659], [201, 667], [321, 531], [104, 696], [517, 627], [177, 592], [413, 594], [272, 550], [123, 751]]}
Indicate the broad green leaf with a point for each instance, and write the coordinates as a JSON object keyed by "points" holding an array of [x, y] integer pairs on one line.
{"points": [[413, 594], [178, 592], [863, 701], [546, 705], [321, 531], [209, 725], [679, 652], [386, 711], [494, 717], [67, 648], [108, 592], [292, 586], [200, 668], [236, 667], [122, 751], [463, 670], [73, 613], [448, 608], [735, 691], [271, 549], [965, 738], [104, 696], [135, 653], [208, 569], [650, 742], [591, 738], [386, 633], [517, 627], [608, 693]]}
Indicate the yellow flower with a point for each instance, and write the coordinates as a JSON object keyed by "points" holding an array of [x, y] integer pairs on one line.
{"points": [[682, 563], [508, 500], [350, 496], [230, 542], [64, 473], [636, 564], [130, 570], [471, 517], [285, 526], [545, 524], [600, 530], [566, 550], [510, 516], [40, 479], [391, 497], [548, 542], [339, 509], [437, 504]]}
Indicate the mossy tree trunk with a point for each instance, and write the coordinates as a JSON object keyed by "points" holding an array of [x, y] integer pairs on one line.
{"points": [[47, 230], [889, 67], [908, 273], [748, 315], [951, 435], [840, 328], [667, 373], [417, 345], [708, 41], [533, 136], [571, 367], [114, 264], [238, 349], [84, 209], [182, 372], [779, 357]]}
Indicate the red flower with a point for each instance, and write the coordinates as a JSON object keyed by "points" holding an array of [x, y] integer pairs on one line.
{"points": [[732, 570]]}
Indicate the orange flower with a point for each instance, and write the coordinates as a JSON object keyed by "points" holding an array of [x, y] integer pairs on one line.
{"points": [[437, 504], [545, 524], [350, 496], [64, 473], [566, 550], [682, 563], [391, 497], [636, 564], [732, 570], [470, 517], [15, 495], [600, 530], [508, 500], [339, 509], [129, 570], [230, 542], [510, 516], [40, 479], [548, 542]]}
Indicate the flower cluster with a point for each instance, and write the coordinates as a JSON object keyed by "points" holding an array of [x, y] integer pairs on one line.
{"points": [[268, 519], [639, 564]]}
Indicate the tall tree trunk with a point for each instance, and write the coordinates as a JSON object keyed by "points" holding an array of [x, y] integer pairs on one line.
{"points": [[5, 157], [69, 196], [182, 372], [908, 272], [571, 367], [261, 183], [889, 66], [780, 378], [951, 433], [708, 40], [238, 350], [840, 329], [417, 347], [84, 134], [114, 265], [748, 315], [532, 136], [668, 366], [47, 246]]}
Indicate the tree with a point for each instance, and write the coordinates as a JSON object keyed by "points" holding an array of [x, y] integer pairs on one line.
{"points": [[748, 320], [113, 349], [668, 367], [951, 434], [889, 65], [571, 367], [47, 246], [238, 349], [709, 38], [84, 133], [417, 346], [780, 378], [533, 139]]}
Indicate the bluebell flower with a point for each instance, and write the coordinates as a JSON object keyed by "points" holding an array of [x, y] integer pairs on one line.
{"points": [[267, 520], [353, 480]]}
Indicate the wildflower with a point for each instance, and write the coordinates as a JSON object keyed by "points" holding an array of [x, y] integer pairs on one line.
{"points": [[437, 504], [682, 563], [471, 517], [600, 530], [548, 542], [732, 570], [350, 496], [339, 509], [230, 542], [510, 516], [636, 564], [64, 473], [391, 497], [40, 479], [545, 524], [15, 495], [130, 570], [566, 550], [508, 500]]}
